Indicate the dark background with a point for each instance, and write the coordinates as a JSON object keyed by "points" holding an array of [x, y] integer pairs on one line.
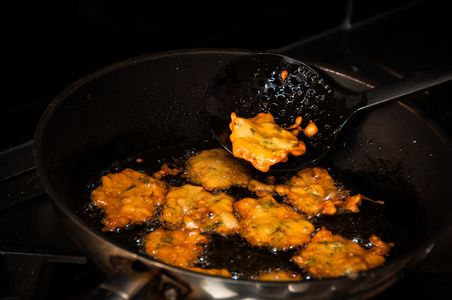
{"points": [[51, 44]]}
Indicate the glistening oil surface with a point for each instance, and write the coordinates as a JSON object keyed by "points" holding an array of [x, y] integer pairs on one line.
{"points": [[397, 220]]}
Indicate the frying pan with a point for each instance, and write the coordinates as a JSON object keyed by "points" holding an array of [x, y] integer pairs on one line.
{"points": [[392, 153]]}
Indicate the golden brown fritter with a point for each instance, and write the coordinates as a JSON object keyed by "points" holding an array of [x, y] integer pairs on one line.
{"points": [[216, 169], [313, 192], [261, 189], [262, 142], [191, 207], [265, 222], [378, 246], [329, 255], [128, 197], [279, 276], [175, 247]]}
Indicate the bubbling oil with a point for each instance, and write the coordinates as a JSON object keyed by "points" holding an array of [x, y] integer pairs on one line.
{"points": [[232, 252]]}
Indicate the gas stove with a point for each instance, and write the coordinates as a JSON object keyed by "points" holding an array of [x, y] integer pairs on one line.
{"points": [[39, 261]]}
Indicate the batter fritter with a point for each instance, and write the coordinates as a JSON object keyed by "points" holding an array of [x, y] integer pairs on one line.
{"points": [[329, 255], [128, 197], [262, 142], [191, 207], [314, 192], [175, 247], [279, 276], [216, 169], [265, 222]]}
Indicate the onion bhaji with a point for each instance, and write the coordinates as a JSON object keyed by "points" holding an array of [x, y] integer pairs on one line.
{"points": [[192, 207], [261, 189], [216, 169], [175, 247], [262, 142], [265, 222], [128, 197], [313, 192], [329, 255]]}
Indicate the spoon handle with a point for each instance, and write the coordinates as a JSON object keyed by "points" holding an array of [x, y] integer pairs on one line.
{"points": [[407, 85]]}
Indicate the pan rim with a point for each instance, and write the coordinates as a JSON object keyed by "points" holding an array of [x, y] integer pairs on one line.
{"points": [[427, 244]]}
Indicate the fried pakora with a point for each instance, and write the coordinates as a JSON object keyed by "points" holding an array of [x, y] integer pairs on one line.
{"points": [[279, 276], [216, 169], [128, 197], [175, 247], [314, 192], [261, 189], [265, 222], [192, 207], [262, 142], [329, 255]]}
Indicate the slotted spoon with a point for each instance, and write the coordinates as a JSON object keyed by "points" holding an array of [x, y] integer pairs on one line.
{"points": [[254, 83]]}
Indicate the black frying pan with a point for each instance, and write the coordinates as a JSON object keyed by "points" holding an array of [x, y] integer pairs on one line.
{"points": [[148, 103]]}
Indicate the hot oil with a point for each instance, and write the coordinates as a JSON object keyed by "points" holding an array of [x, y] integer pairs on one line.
{"points": [[233, 252], [132, 236], [401, 217], [243, 260]]}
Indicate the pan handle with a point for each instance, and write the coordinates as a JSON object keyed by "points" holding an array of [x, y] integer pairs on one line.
{"points": [[125, 283], [414, 83]]}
